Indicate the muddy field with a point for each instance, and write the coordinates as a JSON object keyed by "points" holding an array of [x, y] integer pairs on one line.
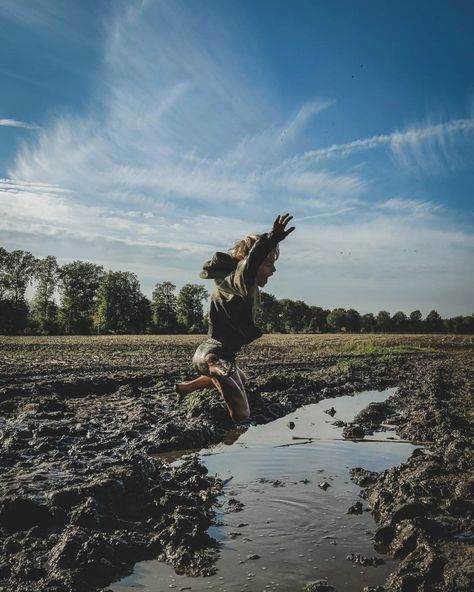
{"points": [[83, 496]]}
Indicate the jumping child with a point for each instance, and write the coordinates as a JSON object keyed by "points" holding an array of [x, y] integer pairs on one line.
{"points": [[238, 276]]}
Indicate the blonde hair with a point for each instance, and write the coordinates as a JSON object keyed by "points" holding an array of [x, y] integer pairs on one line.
{"points": [[242, 247]]}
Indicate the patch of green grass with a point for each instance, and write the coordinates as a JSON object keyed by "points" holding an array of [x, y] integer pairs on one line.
{"points": [[349, 367], [367, 348], [204, 401]]}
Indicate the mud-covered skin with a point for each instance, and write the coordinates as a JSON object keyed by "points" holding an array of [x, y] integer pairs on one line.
{"points": [[81, 500]]}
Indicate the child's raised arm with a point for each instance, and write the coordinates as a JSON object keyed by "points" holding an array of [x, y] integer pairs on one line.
{"points": [[263, 246]]}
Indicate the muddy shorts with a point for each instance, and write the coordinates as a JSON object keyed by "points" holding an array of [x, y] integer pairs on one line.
{"points": [[225, 362]]}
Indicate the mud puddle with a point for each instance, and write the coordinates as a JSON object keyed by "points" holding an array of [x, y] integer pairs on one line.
{"points": [[284, 518]]}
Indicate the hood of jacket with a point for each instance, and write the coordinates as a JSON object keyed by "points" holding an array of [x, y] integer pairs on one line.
{"points": [[219, 267]]}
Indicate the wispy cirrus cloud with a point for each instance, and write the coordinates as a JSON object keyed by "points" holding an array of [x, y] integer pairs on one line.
{"points": [[272, 143], [422, 145], [186, 148], [58, 19], [411, 207], [184, 123], [187, 129], [16, 123], [47, 210]]}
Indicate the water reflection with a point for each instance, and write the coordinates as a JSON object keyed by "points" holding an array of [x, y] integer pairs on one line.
{"points": [[298, 530]]}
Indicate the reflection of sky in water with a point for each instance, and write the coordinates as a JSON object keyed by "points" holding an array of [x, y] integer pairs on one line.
{"points": [[300, 531], [262, 448]]}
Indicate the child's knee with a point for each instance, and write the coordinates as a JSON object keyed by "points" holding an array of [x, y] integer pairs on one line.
{"points": [[218, 366]]}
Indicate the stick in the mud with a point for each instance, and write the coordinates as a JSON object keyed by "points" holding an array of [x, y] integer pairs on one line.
{"points": [[238, 275], [310, 439]]}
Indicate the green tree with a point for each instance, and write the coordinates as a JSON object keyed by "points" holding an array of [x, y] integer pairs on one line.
{"points": [[189, 308], [44, 308], [16, 272], [120, 305], [468, 324], [269, 313], [434, 322], [416, 321], [163, 304], [336, 319], [78, 281], [400, 322], [353, 320], [384, 322], [460, 324], [143, 314], [295, 315], [3, 273], [317, 319], [368, 324]]}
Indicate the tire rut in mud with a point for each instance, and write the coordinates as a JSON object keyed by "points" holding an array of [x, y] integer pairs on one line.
{"points": [[425, 507], [81, 499]]}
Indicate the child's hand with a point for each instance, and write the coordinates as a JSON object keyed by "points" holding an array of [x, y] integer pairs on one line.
{"points": [[279, 231]]}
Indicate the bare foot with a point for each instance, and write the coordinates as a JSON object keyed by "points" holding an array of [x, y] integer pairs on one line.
{"points": [[180, 393]]}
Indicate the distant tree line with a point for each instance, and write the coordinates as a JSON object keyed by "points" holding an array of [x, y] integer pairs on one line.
{"points": [[82, 298], [295, 316]]}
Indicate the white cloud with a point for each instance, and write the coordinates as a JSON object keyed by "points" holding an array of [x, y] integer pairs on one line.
{"points": [[58, 19], [410, 207], [48, 213], [427, 146], [270, 144], [323, 215], [435, 147], [375, 261], [183, 124], [16, 123], [188, 150]]}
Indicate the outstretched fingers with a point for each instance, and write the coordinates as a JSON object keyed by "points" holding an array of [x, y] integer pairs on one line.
{"points": [[279, 226]]}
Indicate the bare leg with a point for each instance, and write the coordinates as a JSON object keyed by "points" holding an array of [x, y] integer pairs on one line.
{"points": [[231, 388], [242, 377], [232, 391], [233, 395], [186, 388]]}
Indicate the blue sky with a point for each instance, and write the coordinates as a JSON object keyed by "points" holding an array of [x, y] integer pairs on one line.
{"points": [[144, 136]]}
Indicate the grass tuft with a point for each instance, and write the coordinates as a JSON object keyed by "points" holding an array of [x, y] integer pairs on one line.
{"points": [[205, 402], [366, 348]]}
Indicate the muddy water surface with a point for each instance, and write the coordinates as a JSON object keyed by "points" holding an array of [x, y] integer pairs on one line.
{"points": [[292, 527]]}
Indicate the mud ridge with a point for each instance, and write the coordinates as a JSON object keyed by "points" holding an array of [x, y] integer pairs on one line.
{"points": [[424, 508], [82, 500]]}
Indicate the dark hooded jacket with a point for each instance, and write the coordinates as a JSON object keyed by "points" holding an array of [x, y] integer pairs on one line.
{"points": [[236, 296]]}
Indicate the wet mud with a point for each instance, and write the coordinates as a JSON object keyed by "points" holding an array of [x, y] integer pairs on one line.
{"points": [[425, 507], [83, 496]]}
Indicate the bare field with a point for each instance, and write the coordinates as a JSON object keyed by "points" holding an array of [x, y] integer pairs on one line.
{"points": [[82, 498], [23, 357]]}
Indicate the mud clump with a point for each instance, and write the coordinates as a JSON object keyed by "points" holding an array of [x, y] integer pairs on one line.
{"points": [[356, 508], [86, 525], [82, 500], [374, 415], [318, 586], [423, 505], [365, 561], [353, 432], [80, 503]]}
